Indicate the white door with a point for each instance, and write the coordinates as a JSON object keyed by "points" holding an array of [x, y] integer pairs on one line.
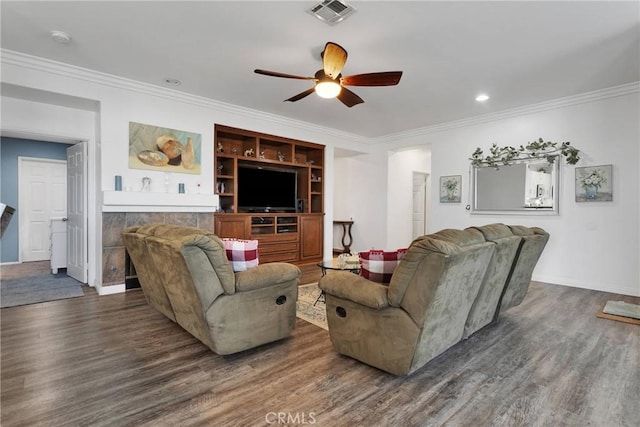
{"points": [[42, 195], [76, 208], [420, 198]]}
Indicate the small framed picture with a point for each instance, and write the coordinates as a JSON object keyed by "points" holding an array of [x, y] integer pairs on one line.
{"points": [[594, 184], [450, 188]]}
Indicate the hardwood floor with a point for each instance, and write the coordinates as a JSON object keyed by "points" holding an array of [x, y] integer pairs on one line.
{"points": [[25, 269], [114, 360]]}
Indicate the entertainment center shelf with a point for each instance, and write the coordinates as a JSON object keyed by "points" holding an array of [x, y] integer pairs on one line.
{"points": [[291, 229], [235, 148], [285, 237]]}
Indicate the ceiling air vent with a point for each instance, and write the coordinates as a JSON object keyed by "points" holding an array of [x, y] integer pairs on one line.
{"points": [[332, 11]]}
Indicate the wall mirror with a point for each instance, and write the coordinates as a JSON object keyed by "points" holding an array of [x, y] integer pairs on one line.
{"points": [[524, 187]]}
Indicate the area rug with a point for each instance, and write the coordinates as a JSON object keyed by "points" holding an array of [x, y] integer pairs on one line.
{"points": [[306, 310], [621, 311], [35, 289]]}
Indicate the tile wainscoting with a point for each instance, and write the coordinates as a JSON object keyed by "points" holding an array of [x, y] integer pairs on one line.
{"points": [[113, 252]]}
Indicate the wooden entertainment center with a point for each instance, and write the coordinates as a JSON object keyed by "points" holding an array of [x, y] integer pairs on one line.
{"points": [[295, 237]]}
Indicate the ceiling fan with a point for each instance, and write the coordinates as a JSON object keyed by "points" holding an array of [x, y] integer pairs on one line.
{"points": [[331, 84]]}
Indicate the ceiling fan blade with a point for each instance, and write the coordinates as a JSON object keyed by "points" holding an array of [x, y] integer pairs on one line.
{"points": [[387, 78], [277, 74], [333, 59], [301, 95], [349, 98]]}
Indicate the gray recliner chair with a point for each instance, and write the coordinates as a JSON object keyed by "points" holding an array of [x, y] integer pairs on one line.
{"points": [[486, 304], [534, 240], [229, 312], [400, 327], [506, 283]]}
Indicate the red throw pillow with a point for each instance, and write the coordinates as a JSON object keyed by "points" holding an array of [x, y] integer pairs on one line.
{"points": [[378, 266], [242, 254]]}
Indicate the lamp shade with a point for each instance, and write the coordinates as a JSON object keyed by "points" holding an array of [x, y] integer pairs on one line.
{"points": [[328, 89]]}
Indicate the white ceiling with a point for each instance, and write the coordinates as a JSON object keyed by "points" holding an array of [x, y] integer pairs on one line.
{"points": [[520, 53]]}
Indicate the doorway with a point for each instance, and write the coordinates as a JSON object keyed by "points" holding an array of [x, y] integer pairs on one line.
{"points": [[42, 196], [421, 200], [47, 188]]}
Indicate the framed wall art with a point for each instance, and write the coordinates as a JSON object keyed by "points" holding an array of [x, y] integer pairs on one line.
{"points": [[594, 183], [450, 188], [163, 149]]}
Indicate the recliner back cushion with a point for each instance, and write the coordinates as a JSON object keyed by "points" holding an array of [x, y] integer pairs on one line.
{"points": [[406, 270], [534, 241], [208, 242]]}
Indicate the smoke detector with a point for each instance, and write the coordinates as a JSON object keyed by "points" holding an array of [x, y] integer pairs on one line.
{"points": [[332, 11], [60, 37]]}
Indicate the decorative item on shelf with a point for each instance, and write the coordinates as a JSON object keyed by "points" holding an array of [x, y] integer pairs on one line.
{"points": [[314, 177], [146, 184], [220, 187], [310, 162], [450, 188], [220, 167], [296, 159], [593, 184], [181, 188], [262, 155], [540, 149], [220, 147], [280, 156], [248, 153], [234, 150], [118, 183]]}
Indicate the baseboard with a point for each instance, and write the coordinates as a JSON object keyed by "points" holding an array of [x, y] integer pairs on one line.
{"points": [[614, 289], [109, 290], [10, 263]]}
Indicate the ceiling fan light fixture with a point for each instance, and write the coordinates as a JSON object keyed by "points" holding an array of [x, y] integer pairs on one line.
{"points": [[328, 89]]}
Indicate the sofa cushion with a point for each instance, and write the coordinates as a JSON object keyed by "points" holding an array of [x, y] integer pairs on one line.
{"points": [[243, 254], [378, 265]]}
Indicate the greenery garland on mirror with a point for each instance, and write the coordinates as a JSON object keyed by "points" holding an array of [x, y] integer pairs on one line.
{"points": [[539, 149]]}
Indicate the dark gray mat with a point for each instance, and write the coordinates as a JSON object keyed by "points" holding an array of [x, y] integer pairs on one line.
{"points": [[35, 289]]}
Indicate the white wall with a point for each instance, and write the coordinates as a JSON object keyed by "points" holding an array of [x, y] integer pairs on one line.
{"points": [[402, 164], [361, 193], [46, 119], [592, 245]]}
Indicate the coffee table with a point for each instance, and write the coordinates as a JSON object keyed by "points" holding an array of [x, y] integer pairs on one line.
{"points": [[332, 264]]}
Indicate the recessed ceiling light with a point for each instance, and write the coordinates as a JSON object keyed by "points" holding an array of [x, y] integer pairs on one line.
{"points": [[60, 37], [482, 97], [172, 82]]}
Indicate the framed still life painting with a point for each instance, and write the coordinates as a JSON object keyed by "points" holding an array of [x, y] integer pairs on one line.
{"points": [[163, 149], [450, 188], [594, 183]]}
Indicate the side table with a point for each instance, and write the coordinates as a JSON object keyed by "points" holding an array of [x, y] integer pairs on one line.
{"points": [[332, 264], [346, 232]]}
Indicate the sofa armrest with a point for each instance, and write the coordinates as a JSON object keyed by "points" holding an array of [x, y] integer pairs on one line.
{"points": [[347, 285], [266, 275]]}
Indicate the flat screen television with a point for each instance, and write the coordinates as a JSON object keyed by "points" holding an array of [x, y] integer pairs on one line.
{"points": [[263, 189]]}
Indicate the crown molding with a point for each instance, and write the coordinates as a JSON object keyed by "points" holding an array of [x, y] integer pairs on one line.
{"points": [[110, 80], [596, 95], [96, 77]]}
